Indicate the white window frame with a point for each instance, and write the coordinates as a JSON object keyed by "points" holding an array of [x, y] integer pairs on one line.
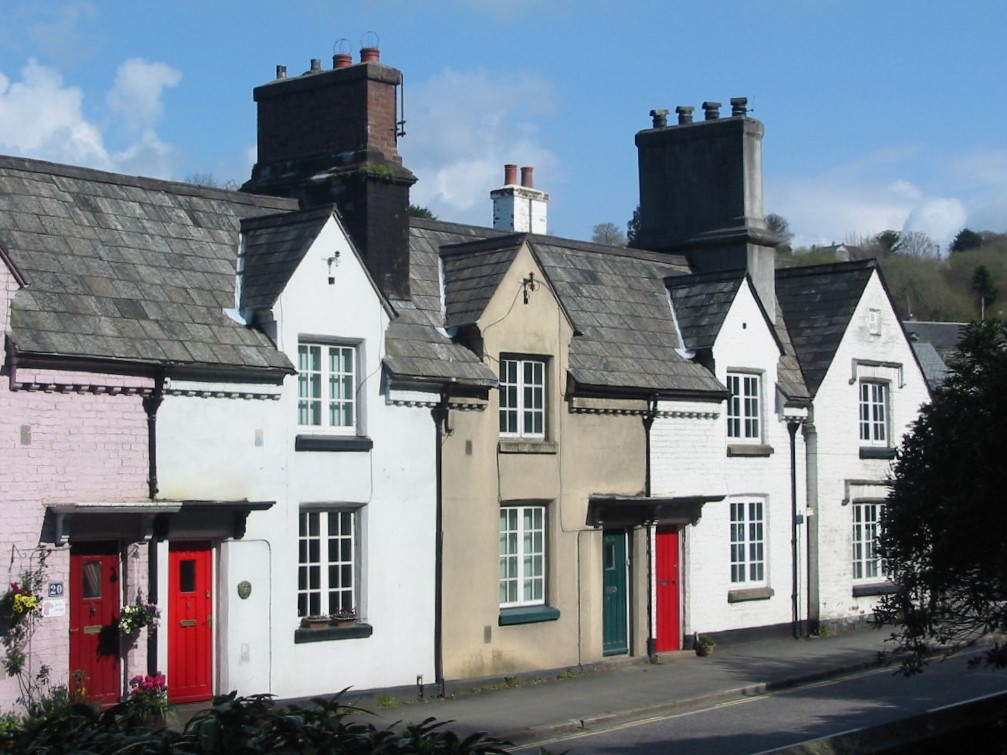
{"points": [[522, 556], [874, 411], [868, 566], [744, 407], [328, 572], [749, 567], [523, 402], [327, 397]]}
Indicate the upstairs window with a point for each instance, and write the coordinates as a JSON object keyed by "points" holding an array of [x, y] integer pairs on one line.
{"points": [[744, 409], [326, 386], [522, 398], [874, 429]]}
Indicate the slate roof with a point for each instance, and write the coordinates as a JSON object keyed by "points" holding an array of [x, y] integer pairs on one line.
{"points": [[625, 337], [472, 273], [127, 269], [817, 304], [934, 368], [701, 304], [943, 336], [416, 345], [274, 247]]}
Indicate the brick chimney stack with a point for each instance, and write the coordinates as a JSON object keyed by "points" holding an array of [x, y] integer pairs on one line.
{"points": [[701, 194], [523, 209], [330, 136]]}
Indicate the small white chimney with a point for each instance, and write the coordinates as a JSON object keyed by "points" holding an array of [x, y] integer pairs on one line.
{"points": [[521, 209]]}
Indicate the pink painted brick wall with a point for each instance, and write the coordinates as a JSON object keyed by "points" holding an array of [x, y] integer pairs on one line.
{"points": [[62, 446]]}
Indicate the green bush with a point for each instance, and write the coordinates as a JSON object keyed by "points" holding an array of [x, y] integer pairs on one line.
{"points": [[239, 725]]}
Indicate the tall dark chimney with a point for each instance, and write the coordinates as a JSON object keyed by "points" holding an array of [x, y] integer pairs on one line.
{"points": [[701, 194], [331, 137]]}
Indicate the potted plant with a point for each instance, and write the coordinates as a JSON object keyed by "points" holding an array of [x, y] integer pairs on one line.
{"points": [[148, 698], [344, 617], [314, 622], [705, 646]]}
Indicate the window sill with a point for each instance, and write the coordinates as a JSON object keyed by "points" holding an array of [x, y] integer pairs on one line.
{"points": [[877, 452], [749, 449], [351, 443], [528, 447], [527, 615], [874, 588], [325, 634], [750, 593]]}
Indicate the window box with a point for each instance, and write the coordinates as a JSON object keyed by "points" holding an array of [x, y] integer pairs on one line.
{"points": [[527, 447], [749, 449], [753, 593], [874, 452], [527, 615], [345, 443], [330, 633], [875, 588]]}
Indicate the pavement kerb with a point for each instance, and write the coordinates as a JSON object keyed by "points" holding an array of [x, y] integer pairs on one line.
{"points": [[534, 733]]}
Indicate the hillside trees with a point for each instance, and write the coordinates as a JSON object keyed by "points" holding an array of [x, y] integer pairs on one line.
{"points": [[944, 522]]}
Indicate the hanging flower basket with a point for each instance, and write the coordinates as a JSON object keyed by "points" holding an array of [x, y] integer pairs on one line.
{"points": [[135, 617], [19, 603]]}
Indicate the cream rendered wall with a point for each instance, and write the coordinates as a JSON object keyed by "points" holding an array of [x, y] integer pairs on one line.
{"points": [[689, 457], [841, 472], [394, 482], [584, 454]]}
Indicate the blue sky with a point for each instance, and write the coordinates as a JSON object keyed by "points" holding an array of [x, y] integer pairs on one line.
{"points": [[880, 114]]}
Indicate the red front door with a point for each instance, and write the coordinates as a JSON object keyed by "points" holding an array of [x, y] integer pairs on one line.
{"points": [[190, 622], [669, 606], [94, 607]]}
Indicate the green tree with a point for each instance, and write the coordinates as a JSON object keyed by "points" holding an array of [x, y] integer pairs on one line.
{"points": [[888, 240], [781, 227], [633, 227], [982, 284], [608, 233], [944, 522], [965, 240], [415, 211]]}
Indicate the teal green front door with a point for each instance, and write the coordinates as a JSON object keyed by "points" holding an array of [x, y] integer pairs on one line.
{"points": [[615, 605]]}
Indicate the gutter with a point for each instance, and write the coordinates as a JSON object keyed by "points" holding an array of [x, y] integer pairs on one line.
{"points": [[151, 403]]}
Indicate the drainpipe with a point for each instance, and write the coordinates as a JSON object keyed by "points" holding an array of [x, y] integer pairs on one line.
{"points": [[811, 530], [648, 423], [792, 429], [151, 403], [441, 431]]}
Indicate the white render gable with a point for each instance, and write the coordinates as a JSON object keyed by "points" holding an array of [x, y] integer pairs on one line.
{"points": [[847, 470]]}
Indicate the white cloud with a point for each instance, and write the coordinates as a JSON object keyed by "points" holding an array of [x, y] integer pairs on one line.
{"points": [[468, 126], [41, 117], [136, 95], [940, 219]]}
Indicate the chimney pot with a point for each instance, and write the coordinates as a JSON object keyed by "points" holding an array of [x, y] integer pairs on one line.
{"points": [[660, 118], [527, 180], [370, 55], [281, 72], [684, 114], [739, 106], [711, 111], [316, 64], [510, 174], [342, 60]]}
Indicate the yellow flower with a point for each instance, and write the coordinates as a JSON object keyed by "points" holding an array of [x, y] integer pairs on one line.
{"points": [[25, 603]]}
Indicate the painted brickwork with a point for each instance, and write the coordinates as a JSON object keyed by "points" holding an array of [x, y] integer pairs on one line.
{"points": [[842, 475], [690, 457], [62, 443]]}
